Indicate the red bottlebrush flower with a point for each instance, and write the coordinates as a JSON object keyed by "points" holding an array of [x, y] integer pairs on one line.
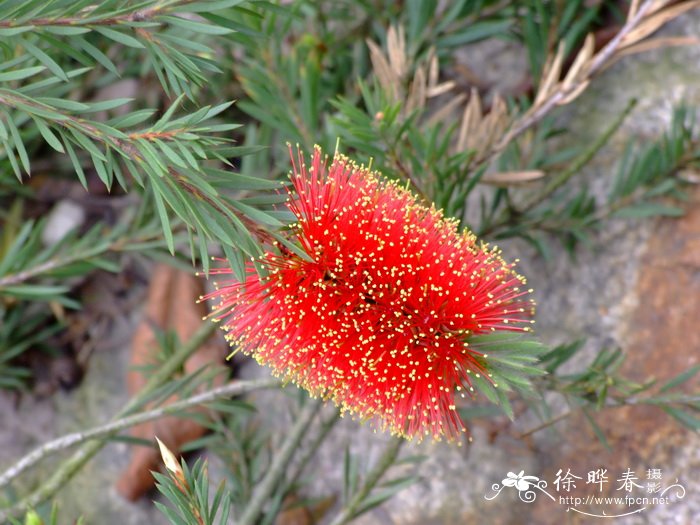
{"points": [[377, 314]]}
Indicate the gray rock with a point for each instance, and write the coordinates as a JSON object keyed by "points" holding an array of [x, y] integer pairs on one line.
{"points": [[64, 217]]}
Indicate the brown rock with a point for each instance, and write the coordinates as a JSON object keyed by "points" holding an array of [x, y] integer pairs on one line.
{"points": [[172, 305], [660, 341]]}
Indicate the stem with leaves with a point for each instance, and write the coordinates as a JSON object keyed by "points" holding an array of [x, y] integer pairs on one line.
{"points": [[72, 465], [236, 388], [566, 91], [312, 448], [512, 214], [557, 182], [279, 464], [386, 460], [89, 16]]}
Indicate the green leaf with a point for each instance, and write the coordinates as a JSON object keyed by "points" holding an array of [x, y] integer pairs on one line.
{"points": [[195, 26], [20, 74], [648, 209], [420, 13], [34, 291], [87, 144], [132, 119], [683, 417], [165, 221], [561, 354], [162, 121], [151, 157], [13, 160], [19, 145], [208, 7], [475, 32], [45, 59], [257, 215], [379, 496], [680, 379], [292, 247], [597, 430], [98, 55], [66, 30], [106, 105], [64, 103], [49, 136], [12, 31], [76, 163], [103, 172], [231, 180], [119, 37], [170, 154], [216, 110]]}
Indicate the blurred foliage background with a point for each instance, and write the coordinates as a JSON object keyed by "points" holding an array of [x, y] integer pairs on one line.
{"points": [[134, 132]]}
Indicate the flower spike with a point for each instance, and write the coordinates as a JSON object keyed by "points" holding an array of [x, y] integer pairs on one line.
{"points": [[378, 315]]}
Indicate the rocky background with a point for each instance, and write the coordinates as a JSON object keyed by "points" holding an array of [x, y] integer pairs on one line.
{"points": [[638, 287]]}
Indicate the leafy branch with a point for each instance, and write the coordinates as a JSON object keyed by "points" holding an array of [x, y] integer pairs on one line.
{"points": [[279, 464], [447, 158], [26, 17], [172, 153], [26, 259], [553, 91], [22, 327], [188, 490], [602, 386], [361, 500], [66, 470], [41, 27], [647, 177], [236, 388]]}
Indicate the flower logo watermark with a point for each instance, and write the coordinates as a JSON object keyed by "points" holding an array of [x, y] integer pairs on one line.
{"points": [[523, 484]]}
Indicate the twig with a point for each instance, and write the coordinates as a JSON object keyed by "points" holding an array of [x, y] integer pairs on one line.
{"points": [[232, 389], [560, 94], [557, 182], [140, 15], [279, 464], [56, 262], [25, 275], [508, 215], [311, 450], [126, 146], [546, 424], [72, 465], [119, 244], [387, 459]]}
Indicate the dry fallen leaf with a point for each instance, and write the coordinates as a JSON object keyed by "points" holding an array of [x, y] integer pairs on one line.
{"points": [[171, 305]]}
